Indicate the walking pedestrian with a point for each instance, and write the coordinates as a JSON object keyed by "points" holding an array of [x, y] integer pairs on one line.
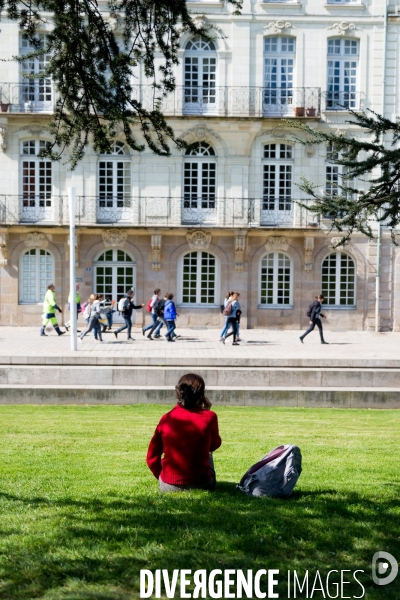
{"points": [[170, 315], [232, 317], [227, 299], [67, 325], [94, 312], [128, 308], [152, 305], [49, 309], [314, 313], [159, 311]]}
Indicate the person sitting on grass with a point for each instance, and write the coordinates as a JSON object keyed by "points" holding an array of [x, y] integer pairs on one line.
{"points": [[186, 436]]}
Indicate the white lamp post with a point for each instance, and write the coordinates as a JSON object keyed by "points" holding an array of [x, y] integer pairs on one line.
{"points": [[72, 261]]}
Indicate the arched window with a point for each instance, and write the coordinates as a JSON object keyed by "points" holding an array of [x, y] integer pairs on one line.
{"points": [[36, 94], [114, 185], [276, 280], [36, 272], [342, 84], [339, 279], [277, 184], [36, 182], [279, 59], [199, 184], [200, 76], [198, 275]]}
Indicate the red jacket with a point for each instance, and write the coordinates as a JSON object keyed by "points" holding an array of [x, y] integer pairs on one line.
{"points": [[185, 438]]}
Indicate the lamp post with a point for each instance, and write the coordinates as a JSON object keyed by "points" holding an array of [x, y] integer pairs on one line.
{"points": [[72, 261]]}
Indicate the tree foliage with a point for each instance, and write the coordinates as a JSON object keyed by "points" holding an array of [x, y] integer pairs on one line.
{"points": [[370, 182], [93, 53]]}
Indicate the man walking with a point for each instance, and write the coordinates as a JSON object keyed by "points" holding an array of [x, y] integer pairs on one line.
{"points": [[153, 305], [127, 310], [49, 309], [314, 312]]}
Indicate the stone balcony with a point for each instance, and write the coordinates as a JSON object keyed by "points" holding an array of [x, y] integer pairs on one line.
{"points": [[38, 96], [157, 211]]}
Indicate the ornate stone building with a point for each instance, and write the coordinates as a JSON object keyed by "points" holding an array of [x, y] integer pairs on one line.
{"points": [[224, 216]]}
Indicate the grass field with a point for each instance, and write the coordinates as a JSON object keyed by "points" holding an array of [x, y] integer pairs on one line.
{"points": [[80, 514]]}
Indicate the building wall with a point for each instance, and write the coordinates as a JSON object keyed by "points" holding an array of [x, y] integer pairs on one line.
{"points": [[238, 142]]}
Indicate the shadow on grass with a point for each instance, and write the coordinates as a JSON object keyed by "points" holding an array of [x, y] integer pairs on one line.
{"points": [[94, 547]]}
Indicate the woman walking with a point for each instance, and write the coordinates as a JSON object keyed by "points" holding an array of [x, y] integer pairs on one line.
{"points": [[185, 437], [94, 316], [227, 299], [232, 318], [314, 312]]}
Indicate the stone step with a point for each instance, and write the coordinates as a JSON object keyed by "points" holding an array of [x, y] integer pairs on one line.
{"points": [[238, 376], [312, 397]]}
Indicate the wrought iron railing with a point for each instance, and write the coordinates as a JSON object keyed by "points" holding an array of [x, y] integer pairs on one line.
{"points": [[32, 96], [38, 95], [158, 211]]}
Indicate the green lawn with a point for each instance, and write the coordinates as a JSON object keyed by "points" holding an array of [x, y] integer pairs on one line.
{"points": [[80, 513]]}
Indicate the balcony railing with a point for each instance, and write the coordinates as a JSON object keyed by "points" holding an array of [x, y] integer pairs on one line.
{"points": [[157, 211], [38, 96]]}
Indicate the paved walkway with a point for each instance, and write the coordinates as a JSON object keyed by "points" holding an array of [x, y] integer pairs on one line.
{"points": [[201, 346]]}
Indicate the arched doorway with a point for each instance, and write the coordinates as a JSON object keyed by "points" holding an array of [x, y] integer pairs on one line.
{"points": [[114, 275]]}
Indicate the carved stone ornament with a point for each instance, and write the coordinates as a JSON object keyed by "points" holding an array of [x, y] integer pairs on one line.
{"points": [[200, 133], [278, 26], [335, 241], [155, 256], [3, 137], [114, 237], [308, 253], [278, 133], [198, 240], [202, 21], [276, 243], [343, 27], [35, 239], [240, 246], [76, 249], [35, 128], [3, 248]]}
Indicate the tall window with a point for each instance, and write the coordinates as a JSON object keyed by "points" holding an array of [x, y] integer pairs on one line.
{"points": [[199, 184], [36, 182], [200, 76], [114, 184], [277, 183], [36, 272], [279, 57], [35, 93], [276, 280], [339, 279], [199, 278], [342, 74]]}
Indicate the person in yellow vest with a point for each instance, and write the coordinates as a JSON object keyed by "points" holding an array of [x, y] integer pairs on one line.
{"points": [[67, 325], [49, 310]]}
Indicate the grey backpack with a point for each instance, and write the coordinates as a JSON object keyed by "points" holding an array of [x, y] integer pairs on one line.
{"points": [[274, 475]]}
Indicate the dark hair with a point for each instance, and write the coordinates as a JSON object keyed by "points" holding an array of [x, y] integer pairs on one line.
{"points": [[157, 291], [190, 391], [320, 296], [169, 297]]}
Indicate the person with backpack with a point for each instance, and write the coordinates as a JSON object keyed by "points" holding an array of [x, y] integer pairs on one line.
{"points": [[159, 310], [170, 315], [151, 308], [180, 451], [126, 307], [231, 311], [227, 299], [93, 310], [314, 314], [67, 325]]}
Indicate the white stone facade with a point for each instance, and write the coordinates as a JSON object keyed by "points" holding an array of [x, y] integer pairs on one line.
{"points": [[233, 201]]}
